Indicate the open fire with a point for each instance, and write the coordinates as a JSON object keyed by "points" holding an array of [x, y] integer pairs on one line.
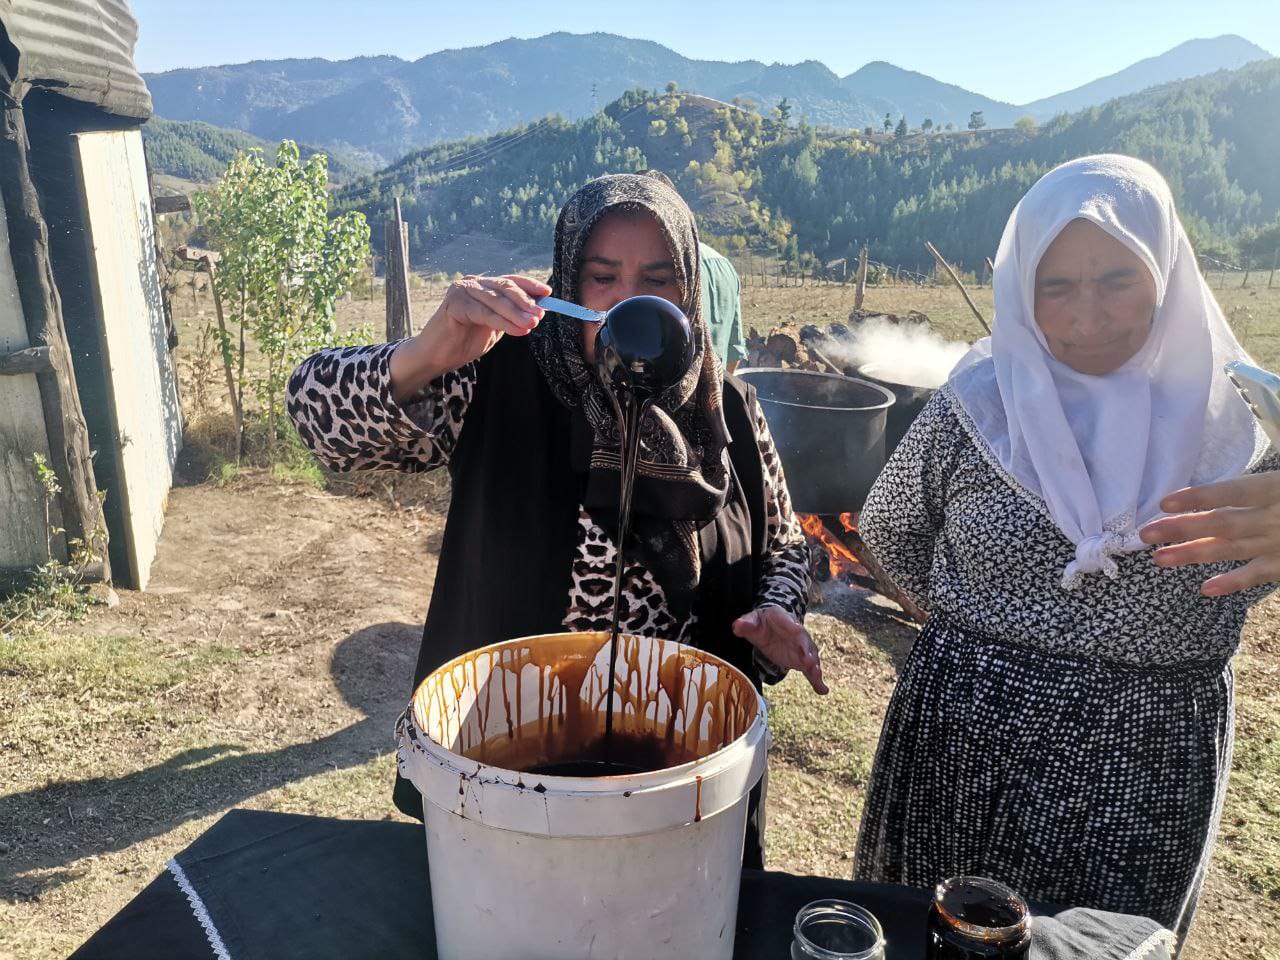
{"points": [[839, 556], [836, 556]]}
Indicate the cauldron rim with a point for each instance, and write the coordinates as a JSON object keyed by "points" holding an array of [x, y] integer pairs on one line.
{"points": [[888, 398], [872, 370]]}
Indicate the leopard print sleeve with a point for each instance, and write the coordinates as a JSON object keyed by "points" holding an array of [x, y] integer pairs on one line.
{"points": [[784, 580], [340, 400]]}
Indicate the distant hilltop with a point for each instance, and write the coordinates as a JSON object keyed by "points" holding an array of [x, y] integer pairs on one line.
{"points": [[376, 109]]}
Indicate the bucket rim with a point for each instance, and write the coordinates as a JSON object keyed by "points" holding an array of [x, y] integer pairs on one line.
{"points": [[614, 784], [646, 802]]}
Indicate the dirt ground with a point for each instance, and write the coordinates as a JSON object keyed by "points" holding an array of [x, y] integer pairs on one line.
{"points": [[266, 663], [297, 614]]}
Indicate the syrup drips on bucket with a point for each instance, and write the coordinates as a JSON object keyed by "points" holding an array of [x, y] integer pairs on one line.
{"points": [[530, 704]]}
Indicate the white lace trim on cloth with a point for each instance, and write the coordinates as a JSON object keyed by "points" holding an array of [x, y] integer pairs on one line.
{"points": [[1094, 555], [200, 911], [1146, 950], [979, 442]]}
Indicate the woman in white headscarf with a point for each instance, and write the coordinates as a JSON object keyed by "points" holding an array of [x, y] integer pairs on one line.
{"points": [[1063, 723]]}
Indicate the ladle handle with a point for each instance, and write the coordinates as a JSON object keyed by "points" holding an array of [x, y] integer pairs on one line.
{"points": [[556, 305]]}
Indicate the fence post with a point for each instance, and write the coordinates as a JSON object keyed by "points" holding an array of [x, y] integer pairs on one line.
{"points": [[860, 289], [399, 318]]}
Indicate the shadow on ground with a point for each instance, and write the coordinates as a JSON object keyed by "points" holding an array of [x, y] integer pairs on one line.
{"points": [[64, 822]]}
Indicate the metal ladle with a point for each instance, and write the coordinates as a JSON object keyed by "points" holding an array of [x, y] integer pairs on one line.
{"points": [[644, 344]]}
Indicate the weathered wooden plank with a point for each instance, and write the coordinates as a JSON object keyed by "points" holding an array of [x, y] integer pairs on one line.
{"points": [[178, 204], [141, 384], [30, 360], [66, 432], [197, 254]]}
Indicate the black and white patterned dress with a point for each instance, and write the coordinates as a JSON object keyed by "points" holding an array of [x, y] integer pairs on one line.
{"points": [[1073, 744], [341, 402]]}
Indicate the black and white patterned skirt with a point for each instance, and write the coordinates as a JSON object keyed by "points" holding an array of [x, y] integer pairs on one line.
{"points": [[1075, 781]]}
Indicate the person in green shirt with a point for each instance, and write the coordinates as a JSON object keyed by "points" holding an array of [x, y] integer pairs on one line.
{"points": [[722, 306]]}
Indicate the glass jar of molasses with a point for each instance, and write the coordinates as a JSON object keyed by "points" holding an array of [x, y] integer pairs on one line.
{"points": [[836, 930], [973, 918]]}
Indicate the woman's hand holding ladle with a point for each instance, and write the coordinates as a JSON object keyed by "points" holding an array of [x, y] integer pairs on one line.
{"points": [[473, 315]]}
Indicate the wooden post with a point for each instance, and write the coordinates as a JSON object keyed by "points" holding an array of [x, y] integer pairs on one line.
{"points": [[209, 260], [956, 280], [991, 271], [860, 290], [1245, 282], [69, 453], [399, 318], [232, 394], [1275, 264]]}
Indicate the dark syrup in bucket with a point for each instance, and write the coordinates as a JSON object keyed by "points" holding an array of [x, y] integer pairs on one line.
{"points": [[628, 753]]}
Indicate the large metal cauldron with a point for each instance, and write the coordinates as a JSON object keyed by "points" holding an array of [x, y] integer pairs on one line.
{"points": [[829, 430], [909, 400]]}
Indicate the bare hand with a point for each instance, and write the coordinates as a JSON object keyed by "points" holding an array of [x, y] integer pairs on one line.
{"points": [[474, 315], [1235, 519], [777, 635]]}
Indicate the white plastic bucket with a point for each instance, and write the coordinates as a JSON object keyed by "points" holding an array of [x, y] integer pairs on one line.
{"points": [[548, 867]]}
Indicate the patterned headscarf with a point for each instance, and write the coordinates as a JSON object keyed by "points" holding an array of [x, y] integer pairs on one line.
{"points": [[682, 480]]}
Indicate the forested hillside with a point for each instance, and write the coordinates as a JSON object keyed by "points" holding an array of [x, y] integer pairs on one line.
{"points": [[197, 151], [815, 194]]}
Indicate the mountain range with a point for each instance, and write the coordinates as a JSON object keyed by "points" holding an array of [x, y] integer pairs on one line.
{"points": [[813, 195], [376, 109]]}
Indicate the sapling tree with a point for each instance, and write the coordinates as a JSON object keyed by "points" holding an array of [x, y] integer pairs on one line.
{"points": [[283, 263]]}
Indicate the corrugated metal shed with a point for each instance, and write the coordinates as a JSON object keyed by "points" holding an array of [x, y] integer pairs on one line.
{"points": [[82, 49]]}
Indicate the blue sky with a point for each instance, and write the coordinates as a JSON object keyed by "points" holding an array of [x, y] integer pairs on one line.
{"points": [[1014, 50]]}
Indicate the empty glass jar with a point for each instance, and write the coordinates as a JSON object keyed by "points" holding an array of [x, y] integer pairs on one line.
{"points": [[836, 930]]}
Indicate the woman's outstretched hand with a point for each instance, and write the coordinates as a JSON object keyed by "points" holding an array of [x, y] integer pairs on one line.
{"points": [[785, 641], [1235, 519], [473, 315]]}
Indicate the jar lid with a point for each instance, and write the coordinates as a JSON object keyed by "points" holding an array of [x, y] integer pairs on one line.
{"points": [[982, 909]]}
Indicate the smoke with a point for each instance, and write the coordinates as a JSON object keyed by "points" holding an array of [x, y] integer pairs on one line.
{"points": [[907, 352]]}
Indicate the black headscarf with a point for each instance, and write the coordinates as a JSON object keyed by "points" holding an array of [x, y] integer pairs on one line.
{"points": [[682, 481]]}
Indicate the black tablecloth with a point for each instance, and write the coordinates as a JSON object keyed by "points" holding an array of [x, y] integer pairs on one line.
{"points": [[282, 886]]}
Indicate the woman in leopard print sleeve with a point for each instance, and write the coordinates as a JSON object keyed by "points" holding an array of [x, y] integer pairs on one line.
{"points": [[1063, 722], [507, 399]]}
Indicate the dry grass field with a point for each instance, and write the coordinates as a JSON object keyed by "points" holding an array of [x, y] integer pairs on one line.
{"points": [[265, 666]]}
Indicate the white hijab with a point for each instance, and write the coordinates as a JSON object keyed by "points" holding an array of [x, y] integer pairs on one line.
{"points": [[1102, 451]]}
